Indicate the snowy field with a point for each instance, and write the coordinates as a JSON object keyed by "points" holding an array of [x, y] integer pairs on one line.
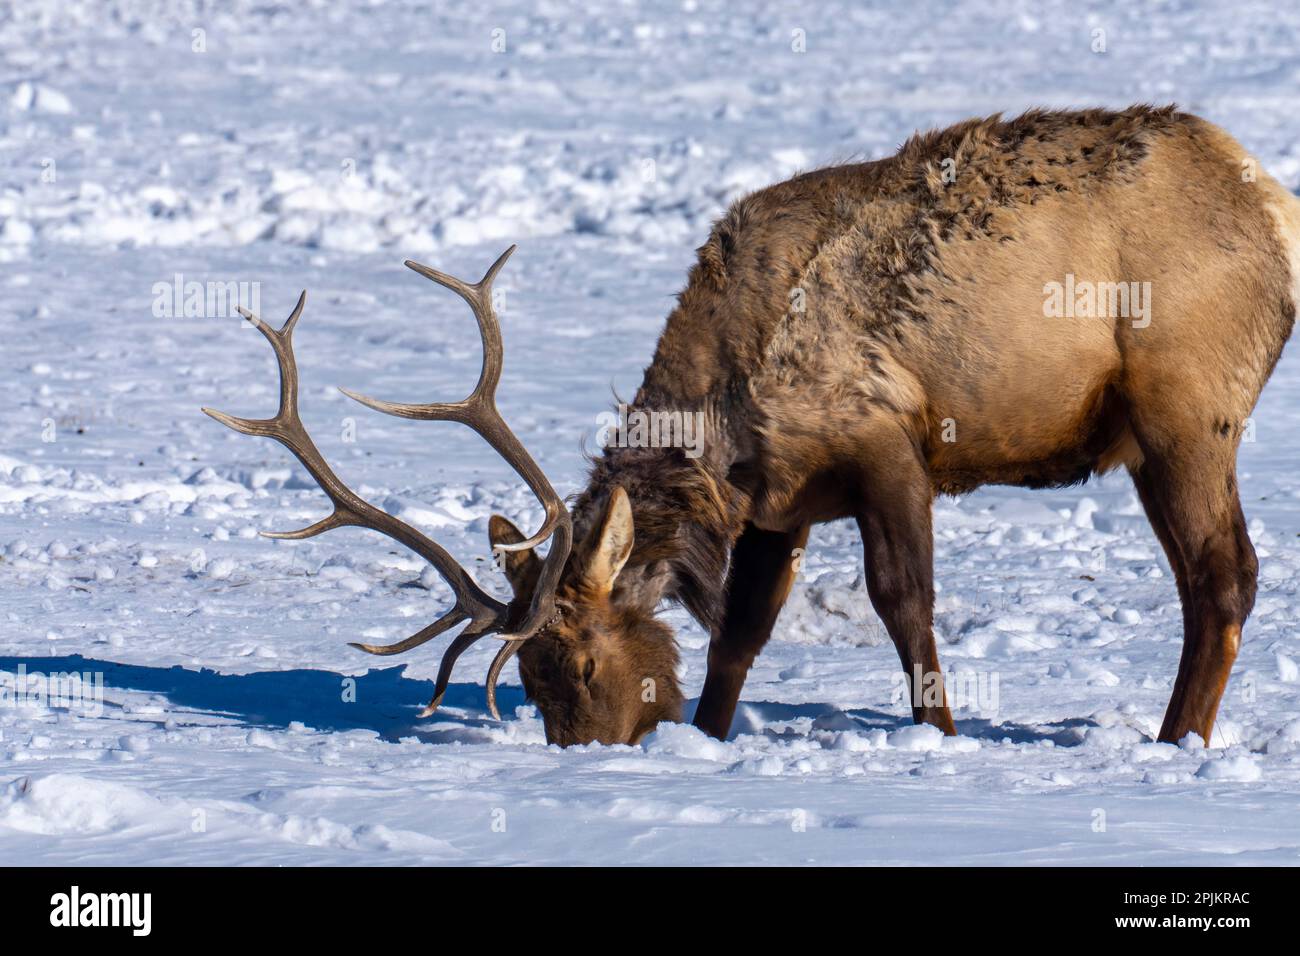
{"points": [[318, 145]]}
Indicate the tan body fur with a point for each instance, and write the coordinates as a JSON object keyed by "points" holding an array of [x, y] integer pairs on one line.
{"points": [[915, 329]]}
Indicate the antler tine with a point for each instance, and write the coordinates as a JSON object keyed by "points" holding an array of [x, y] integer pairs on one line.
{"points": [[504, 653], [463, 640], [473, 604], [423, 636], [493, 351], [478, 410]]}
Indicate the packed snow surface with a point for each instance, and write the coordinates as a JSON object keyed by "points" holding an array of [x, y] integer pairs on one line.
{"points": [[223, 718]]}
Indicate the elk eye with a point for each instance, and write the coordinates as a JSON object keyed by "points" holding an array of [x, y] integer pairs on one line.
{"points": [[588, 670]]}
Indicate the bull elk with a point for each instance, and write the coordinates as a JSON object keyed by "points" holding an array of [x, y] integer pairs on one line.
{"points": [[858, 340]]}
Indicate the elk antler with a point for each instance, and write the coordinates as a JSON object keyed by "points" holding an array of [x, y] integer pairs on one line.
{"points": [[485, 614]]}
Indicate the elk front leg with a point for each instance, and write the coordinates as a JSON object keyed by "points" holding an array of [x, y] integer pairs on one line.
{"points": [[763, 567], [899, 549]]}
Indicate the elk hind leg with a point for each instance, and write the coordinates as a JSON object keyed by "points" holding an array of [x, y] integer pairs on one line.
{"points": [[1193, 491]]}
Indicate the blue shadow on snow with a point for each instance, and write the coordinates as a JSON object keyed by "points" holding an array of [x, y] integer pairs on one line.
{"points": [[386, 702]]}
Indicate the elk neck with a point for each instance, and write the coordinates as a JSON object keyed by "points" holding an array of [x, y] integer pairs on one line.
{"points": [[685, 513]]}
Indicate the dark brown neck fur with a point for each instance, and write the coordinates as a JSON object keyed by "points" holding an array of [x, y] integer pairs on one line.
{"points": [[686, 518]]}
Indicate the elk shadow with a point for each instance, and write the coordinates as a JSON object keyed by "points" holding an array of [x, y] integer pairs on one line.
{"points": [[1063, 733], [385, 701], [765, 718]]}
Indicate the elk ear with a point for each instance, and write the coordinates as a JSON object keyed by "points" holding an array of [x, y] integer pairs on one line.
{"points": [[522, 568], [613, 546]]}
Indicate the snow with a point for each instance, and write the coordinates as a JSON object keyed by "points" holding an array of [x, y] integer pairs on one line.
{"points": [[316, 146]]}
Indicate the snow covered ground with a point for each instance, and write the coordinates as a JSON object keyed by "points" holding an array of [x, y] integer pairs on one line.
{"points": [[318, 144]]}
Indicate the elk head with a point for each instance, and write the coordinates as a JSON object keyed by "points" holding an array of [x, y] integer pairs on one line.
{"points": [[598, 668], [606, 669]]}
